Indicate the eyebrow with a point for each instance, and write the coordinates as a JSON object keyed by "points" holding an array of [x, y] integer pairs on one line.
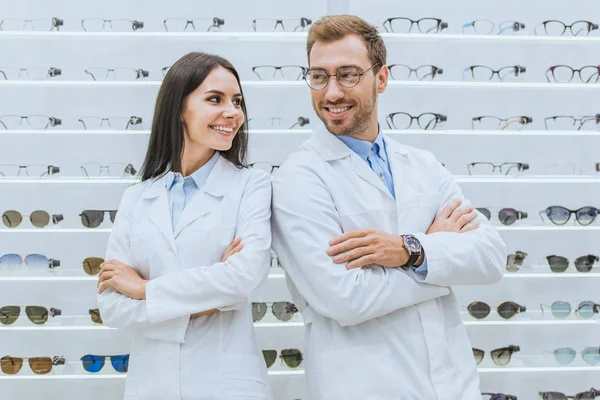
{"points": [[221, 93], [341, 66]]}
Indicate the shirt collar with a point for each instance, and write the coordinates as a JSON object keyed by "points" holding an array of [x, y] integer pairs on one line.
{"points": [[198, 177], [363, 147]]}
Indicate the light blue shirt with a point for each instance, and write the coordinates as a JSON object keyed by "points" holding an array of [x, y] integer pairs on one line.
{"points": [[181, 190], [375, 155]]}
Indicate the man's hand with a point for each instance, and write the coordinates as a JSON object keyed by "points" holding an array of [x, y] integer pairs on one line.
{"points": [[454, 218], [122, 278], [368, 246]]}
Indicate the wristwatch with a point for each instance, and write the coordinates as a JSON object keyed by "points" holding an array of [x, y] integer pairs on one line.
{"points": [[414, 249]]}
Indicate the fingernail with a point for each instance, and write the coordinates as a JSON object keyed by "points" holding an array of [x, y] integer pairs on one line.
{"points": [[330, 250], [336, 259]]}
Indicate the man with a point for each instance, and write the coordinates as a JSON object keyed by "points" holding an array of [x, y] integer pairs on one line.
{"points": [[351, 209]]}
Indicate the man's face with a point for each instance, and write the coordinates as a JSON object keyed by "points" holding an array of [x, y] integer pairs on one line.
{"points": [[346, 111]]}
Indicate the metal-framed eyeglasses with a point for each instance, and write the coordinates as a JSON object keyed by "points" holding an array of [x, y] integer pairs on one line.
{"points": [[348, 77]]}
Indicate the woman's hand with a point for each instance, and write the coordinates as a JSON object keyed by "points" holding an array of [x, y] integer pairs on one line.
{"points": [[123, 278]]}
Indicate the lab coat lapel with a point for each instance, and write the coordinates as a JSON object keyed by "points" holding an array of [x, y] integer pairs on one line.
{"points": [[398, 165], [160, 214]]}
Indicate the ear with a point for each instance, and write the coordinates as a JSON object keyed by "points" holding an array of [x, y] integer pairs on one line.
{"points": [[382, 79]]}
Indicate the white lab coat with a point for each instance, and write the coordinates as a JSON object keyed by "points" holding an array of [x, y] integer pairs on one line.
{"points": [[376, 333], [212, 357]]}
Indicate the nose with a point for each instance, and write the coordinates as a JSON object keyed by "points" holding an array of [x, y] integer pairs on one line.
{"points": [[334, 90], [231, 111]]}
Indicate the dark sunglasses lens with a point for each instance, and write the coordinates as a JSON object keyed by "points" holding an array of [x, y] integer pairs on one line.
{"points": [[485, 212], [12, 218], [587, 215], [585, 263], [284, 310], [258, 311], [507, 310], [553, 396], [39, 218], [9, 314], [92, 363], [591, 355], [587, 309], [565, 355], [113, 215], [478, 354], [557, 263], [585, 396], [91, 265], [479, 310], [95, 315], [291, 357], [36, 314], [558, 215], [41, 365], [92, 218], [270, 356], [561, 309], [501, 356], [120, 363], [11, 365], [507, 216]]}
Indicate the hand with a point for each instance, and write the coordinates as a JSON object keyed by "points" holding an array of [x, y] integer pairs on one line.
{"points": [[368, 246], [454, 218], [122, 278]]}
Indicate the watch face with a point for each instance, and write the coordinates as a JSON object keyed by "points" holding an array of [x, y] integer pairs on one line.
{"points": [[412, 243]]}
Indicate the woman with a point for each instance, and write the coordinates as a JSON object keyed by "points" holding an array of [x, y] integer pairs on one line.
{"points": [[189, 245]]}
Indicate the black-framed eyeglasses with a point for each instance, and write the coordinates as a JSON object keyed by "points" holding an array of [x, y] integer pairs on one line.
{"points": [[402, 120], [506, 310], [560, 215], [582, 264], [285, 72], [285, 24], [489, 122], [182, 24], [41, 24], [10, 73], [554, 27], [565, 73], [93, 218], [422, 72], [569, 122], [499, 396], [117, 170], [485, 27], [33, 170], [506, 216], [116, 25], [119, 123], [501, 356], [405, 25], [116, 74], [265, 166], [348, 77], [483, 73], [277, 122], [506, 168], [33, 121]]}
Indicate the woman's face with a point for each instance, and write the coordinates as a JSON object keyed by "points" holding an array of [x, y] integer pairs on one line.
{"points": [[212, 114]]}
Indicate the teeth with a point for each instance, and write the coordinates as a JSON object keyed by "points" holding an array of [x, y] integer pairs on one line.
{"points": [[338, 110], [222, 128]]}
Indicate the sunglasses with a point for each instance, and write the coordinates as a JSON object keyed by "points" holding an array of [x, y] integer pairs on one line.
{"points": [[560, 215], [566, 355], [92, 265], [38, 218], [39, 365], [582, 264], [95, 315], [36, 314], [514, 262], [31, 261], [507, 216], [589, 395], [499, 396], [562, 309], [93, 218], [500, 356], [94, 363], [291, 357], [507, 310], [282, 310]]}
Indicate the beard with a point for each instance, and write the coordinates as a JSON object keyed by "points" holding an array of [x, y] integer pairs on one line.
{"points": [[354, 126]]}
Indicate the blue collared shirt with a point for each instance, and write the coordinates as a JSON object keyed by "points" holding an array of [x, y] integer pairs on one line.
{"points": [[180, 190], [375, 155]]}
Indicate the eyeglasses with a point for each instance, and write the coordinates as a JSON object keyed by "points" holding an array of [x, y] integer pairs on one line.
{"points": [[488, 122], [265, 166], [569, 168], [426, 121], [488, 168], [282, 310], [582, 264], [565, 74], [95, 316], [559, 28], [560, 215], [348, 77], [36, 314], [500, 356], [562, 309], [507, 216], [91, 265], [39, 365], [116, 74], [19, 24], [499, 396], [116, 170], [485, 27], [286, 72], [38, 218], [566, 355], [483, 73], [277, 122], [506, 310], [405, 25], [93, 218], [589, 395], [94, 363], [286, 25], [116, 25], [10, 73], [37, 261], [291, 357], [515, 261], [122, 123], [34, 170], [422, 72], [34, 121], [566, 122], [204, 24]]}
